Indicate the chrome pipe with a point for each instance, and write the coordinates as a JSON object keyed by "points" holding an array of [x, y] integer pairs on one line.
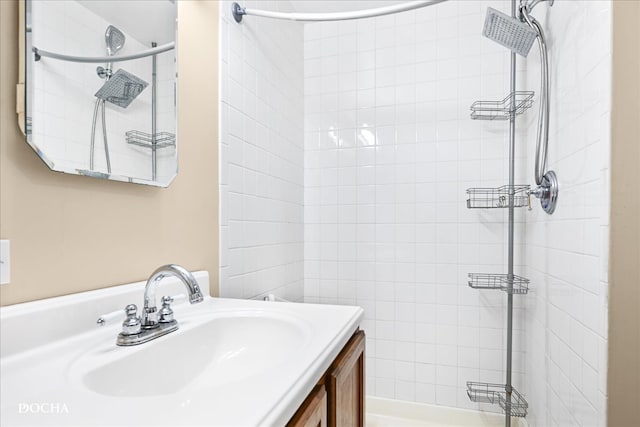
{"points": [[104, 135], [542, 140], [96, 59], [93, 134], [100, 104], [239, 11]]}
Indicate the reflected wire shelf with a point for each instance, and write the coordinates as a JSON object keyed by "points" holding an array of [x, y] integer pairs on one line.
{"points": [[513, 104], [496, 394], [520, 285], [143, 139], [498, 197]]}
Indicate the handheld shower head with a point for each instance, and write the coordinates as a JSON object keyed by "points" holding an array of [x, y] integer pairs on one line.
{"points": [[114, 39], [509, 32]]}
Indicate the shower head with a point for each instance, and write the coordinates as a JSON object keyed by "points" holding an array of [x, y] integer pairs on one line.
{"points": [[509, 32], [114, 40], [121, 89]]}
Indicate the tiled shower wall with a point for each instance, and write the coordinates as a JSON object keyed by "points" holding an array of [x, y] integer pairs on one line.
{"points": [[261, 155], [63, 108], [567, 253], [389, 152]]}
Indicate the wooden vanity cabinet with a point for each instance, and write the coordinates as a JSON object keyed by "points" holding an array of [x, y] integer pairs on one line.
{"points": [[345, 385], [313, 412], [338, 398]]}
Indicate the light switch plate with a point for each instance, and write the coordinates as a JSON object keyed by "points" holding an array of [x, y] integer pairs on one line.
{"points": [[5, 272]]}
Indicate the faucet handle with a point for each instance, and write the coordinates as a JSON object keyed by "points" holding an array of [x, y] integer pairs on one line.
{"points": [[166, 312], [107, 318], [132, 324]]}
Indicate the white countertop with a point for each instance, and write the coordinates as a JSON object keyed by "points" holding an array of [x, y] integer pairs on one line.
{"points": [[47, 372]]}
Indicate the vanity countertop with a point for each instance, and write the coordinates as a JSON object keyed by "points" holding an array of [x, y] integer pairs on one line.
{"points": [[232, 362]]}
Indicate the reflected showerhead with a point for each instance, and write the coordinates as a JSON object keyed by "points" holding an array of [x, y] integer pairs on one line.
{"points": [[509, 32], [114, 39], [122, 88]]}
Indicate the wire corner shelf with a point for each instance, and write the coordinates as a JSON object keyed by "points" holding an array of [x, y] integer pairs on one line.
{"points": [[497, 197], [512, 105], [516, 285], [148, 140], [496, 394]]}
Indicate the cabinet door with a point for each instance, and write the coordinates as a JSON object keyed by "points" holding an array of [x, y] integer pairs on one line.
{"points": [[313, 412], [346, 385]]}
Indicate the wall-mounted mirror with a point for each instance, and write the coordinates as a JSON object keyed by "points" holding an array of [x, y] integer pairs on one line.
{"points": [[101, 87]]}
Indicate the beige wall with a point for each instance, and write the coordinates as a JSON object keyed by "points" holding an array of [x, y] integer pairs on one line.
{"points": [[70, 233], [624, 265]]}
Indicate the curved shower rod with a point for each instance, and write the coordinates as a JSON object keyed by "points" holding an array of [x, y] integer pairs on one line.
{"points": [[97, 59], [239, 12]]}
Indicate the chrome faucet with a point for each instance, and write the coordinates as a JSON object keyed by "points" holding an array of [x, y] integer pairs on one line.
{"points": [[154, 324]]}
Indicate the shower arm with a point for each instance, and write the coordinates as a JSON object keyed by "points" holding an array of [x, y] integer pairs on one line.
{"points": [[542, 140]]}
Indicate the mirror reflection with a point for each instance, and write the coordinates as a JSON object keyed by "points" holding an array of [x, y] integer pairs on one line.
{"points": [[101, 87]]}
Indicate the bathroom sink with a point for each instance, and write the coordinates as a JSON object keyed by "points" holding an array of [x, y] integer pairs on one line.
{"points": [[230, 363], [201, 354]]}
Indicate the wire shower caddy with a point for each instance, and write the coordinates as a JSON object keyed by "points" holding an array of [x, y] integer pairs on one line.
{"points": [[491, 198], [497, 395], [502, 282], [148, 140], [512, 105]]}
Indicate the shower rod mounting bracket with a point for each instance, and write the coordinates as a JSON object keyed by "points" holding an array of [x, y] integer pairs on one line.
{"points": [[238, 12], [547, 192]]}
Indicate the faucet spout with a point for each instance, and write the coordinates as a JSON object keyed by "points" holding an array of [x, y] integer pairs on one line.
{"points": [[149, 313]]}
